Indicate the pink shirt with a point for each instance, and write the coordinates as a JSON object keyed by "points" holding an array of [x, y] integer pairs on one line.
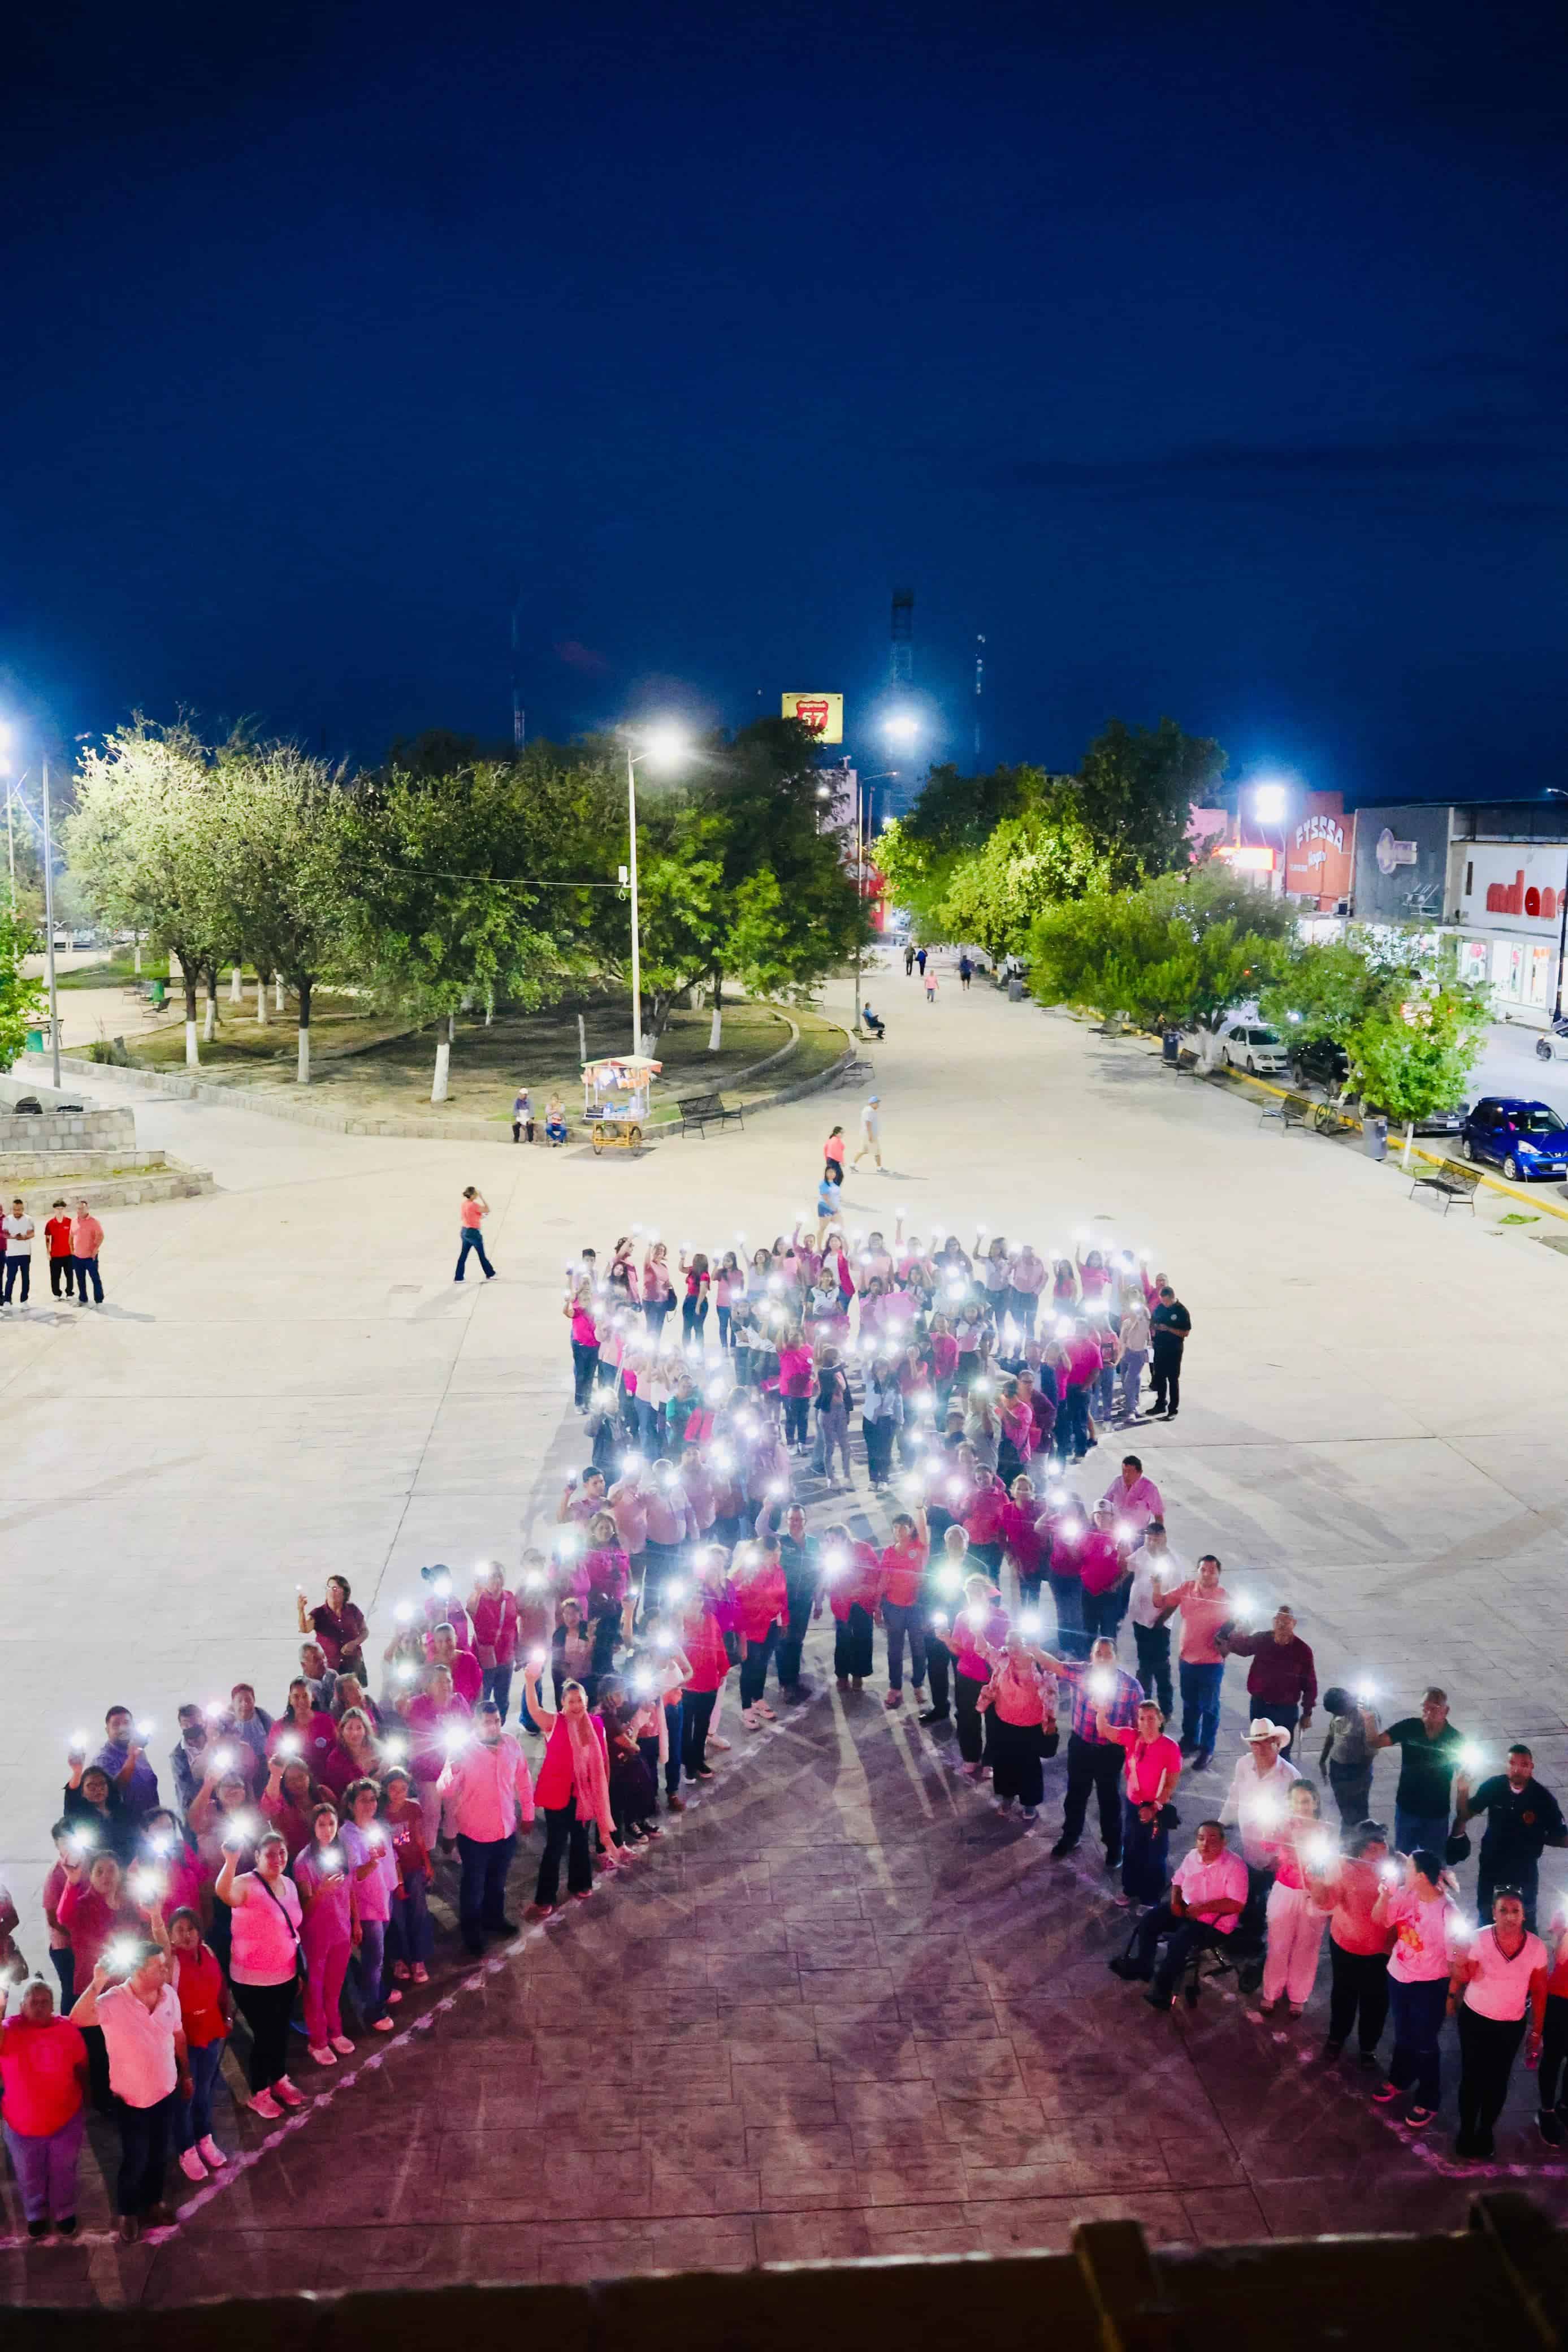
{"points": [[1202, 1615], [495, 1625], [374, 1892], [472, 1213], [262, 1949], [974, 1632], [629, 1512], [87, 1236], [1138, 1503], [491, 1790], [1147, 1761], [333, 1919]]}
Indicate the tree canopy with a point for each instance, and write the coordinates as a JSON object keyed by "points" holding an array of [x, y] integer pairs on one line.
{"points": [[1182, 948]]}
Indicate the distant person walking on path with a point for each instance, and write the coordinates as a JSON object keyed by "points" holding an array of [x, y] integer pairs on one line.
{"points": [[834, 1148], [908, 958], [965, 970], [87, 1240], [920, 959], [20, 1231], [62, 1265], [931, 985], [475, 1210], [522, 1118], [871, 1131]]}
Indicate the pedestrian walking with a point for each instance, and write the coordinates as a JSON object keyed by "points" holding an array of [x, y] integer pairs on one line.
{"points": [[965, 973], [871, 1131], [472, 1215], [920, 959], [930, 979], [908, 958], [86, 1241], [20, 1230]]}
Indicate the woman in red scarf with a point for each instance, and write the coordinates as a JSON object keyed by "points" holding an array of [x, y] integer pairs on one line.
{"points": [[572, 1788]]}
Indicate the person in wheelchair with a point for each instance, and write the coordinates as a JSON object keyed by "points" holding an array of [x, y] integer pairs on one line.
{"points": [[1209, 1895], [870, 1021]]}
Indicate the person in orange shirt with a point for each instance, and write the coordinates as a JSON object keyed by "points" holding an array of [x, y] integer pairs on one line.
{"points": [[62, 1265]]}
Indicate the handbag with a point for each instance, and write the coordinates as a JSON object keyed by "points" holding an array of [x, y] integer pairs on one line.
{"points": [[301, 1968], [1167, 1818], [1457, 1848]]}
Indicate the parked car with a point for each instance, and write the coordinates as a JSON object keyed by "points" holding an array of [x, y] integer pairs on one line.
{"points": [[1319, 1061], [1249, 1045], [1526, 1139], [1553, 1044]]}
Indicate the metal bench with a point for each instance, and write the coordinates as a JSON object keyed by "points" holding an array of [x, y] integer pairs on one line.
{"points": [[702, 1110], [1291, 1110], [1451, 1180]]}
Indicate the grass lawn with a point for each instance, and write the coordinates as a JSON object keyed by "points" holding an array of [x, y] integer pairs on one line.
{"points": [[391, 1074]]}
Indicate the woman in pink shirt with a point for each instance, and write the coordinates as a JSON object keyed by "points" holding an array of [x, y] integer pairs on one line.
{"points": [[1296, 1924], [1151, 1772], [303, 1729], [796, 1379], [658, 1288], [702, 1627], [572, 1792], [328, 1934], [494, 1615], [761, 1607], [264, 1967], [579, 1314], [728, 1286], [1020, 1702]]}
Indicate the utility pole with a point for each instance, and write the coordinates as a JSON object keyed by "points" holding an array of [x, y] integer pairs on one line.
{"points": [[11, 849], [49, 929], [517, 691], [980, 681], [637, 946]]}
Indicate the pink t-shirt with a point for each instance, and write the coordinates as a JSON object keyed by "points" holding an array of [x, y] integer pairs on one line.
{"points": [[1202, 1615], [263, 1950], [971, 1630], [473, 1214], [1146, 1762]]}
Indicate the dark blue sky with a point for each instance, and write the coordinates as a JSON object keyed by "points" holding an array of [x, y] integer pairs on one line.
{"points": [[1211, 360]]}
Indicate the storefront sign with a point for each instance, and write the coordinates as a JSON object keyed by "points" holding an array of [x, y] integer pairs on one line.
{"points": [[1392, 853], [1510, 886]]}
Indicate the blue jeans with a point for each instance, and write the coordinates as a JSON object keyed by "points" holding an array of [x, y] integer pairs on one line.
{"points": [[412, 1936], [1429, 1830], [482, 1887], [1104, 1611], [1103, 1389], [900, 1622], [1145, 1854], [1067, 1591], [1201, 1706], [368, 1970], [496, 1684], [1072, 1432], [46, 2169], [86, 1272], [193, 2116], [1418, 2013], [470, 1238]]}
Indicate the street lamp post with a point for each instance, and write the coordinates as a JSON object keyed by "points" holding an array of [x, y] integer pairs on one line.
{"points": [[862, 836], [49, 933], [664, 745], [1555, 793]]}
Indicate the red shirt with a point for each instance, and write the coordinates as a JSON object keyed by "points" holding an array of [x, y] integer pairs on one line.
{"points": [[198, 1981], [317, 1741], [495, 1625], [57, 1232], [38, 2075], [856, 1583], [761, 1598], [1023, 1539], [985, 1517], [1083, 1360], [902, 1571], [702, 1638], [943, 1354], [558, 1775], [1099, 1561]]}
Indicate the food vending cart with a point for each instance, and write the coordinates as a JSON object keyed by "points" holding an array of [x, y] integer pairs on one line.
{"points": [[615, 1100]]}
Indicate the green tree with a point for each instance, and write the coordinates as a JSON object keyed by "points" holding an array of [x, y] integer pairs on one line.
{"points": [[1412, 1058], [1182, 948], [1027, 865], [140, 841], [1137, 785], [21, 996], [462, 888]]}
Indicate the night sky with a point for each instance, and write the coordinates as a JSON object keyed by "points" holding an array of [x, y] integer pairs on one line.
{"points": [[1210, 360]]}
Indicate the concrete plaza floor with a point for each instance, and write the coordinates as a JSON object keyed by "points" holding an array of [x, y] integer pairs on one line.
{"points": [[844, 2008]]}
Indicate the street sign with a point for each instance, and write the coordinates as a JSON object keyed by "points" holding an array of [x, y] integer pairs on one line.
{"points": [[822, 713]]}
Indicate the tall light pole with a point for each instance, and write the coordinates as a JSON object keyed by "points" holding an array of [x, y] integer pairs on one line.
{"points": [[49, 933], [1554, 794], [664, 745]]}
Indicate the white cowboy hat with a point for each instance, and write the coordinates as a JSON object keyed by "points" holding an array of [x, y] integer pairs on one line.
{"points": [[1260, 1729]]}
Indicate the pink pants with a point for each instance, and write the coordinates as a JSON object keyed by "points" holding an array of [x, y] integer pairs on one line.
{"points": [[326, 1965], [1295, 1938]]}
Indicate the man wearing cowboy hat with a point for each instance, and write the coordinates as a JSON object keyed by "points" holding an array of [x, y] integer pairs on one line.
{"points": [[1259, 1787]]}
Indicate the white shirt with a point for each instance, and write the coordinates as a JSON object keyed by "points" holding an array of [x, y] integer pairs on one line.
{"points": [[1213, 1882], [1502, 1987], [1257, 1800], [1154, 1573], [140, 2043], [19, 1233], [1426, 1940], [870, 1121]]}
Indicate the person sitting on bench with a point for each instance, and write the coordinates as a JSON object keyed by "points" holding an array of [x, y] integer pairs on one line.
{"points": [[1207, 1896], [555, 1120], [868, 1021]]}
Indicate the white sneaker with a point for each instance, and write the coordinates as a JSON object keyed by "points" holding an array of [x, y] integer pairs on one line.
{"points": [[211, 2153], [190, 2164], [263, 2105]]}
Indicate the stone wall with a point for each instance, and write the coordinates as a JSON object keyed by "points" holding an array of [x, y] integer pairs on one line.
{"points": [[66, 1131]]}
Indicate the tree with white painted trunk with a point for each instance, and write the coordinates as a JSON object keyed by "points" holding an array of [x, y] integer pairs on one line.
{"points": [[285, 824], [451, 909]]}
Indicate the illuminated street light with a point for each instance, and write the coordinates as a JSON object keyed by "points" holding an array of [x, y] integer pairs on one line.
{"points": [[902, 727], [663, 744], [1269, 803]]}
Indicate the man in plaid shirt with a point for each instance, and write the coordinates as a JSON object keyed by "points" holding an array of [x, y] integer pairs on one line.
{"points": [[1093, 1762]]}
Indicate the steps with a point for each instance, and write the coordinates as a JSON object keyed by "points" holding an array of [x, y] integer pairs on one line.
{"points": [[125, 1181]]}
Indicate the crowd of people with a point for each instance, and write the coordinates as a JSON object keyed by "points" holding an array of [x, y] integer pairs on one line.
{"points": [[275, 1885]]}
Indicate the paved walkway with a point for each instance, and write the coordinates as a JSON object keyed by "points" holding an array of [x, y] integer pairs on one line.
{"points": [[286, 1383]]}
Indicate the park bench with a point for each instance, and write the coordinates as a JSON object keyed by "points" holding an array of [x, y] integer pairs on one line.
{"points": [[1291, 1110], [1452, 1180], [701, 1110]]}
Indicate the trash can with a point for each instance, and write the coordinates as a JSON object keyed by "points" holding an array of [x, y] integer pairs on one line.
{"points": [[1170, 1046], [1015, 989], [35, 1041], [1375, 1136]]}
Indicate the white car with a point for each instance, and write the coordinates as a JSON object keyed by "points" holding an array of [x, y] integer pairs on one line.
{"points": [[1250, 1046], [1552, 1046]]}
